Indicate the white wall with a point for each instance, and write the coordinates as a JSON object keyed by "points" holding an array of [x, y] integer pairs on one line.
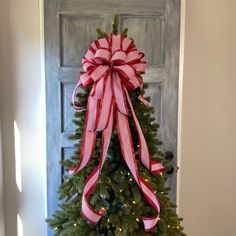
{"points": [[208, 160], [22, 103]]}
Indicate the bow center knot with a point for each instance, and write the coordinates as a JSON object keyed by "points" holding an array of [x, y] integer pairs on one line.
{"points": [[104, 56], [118, 58]]}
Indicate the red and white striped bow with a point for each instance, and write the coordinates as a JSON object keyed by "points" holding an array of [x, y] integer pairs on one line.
{"points": [[114, 66]]}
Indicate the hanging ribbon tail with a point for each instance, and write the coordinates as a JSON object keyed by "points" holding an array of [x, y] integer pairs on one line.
{"points": [[143, 100], [154, 166], [105, 106], [129, 156], [118, 93], [92, 179], [74, 94], [88, 145], [89, 137], [84, 80]]}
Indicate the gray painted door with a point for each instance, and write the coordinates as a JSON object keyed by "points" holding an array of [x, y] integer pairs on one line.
{"points": [[69, 29]]}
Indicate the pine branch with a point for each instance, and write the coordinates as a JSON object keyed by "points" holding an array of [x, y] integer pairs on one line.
{"points": [[115, 24]]}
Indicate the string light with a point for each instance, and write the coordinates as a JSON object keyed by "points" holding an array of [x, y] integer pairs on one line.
{"points": [[120, 229], [125, 205], [137, 219], [108, 220], [128, 173], [74, 224], [133, 213], [130, 180], [146, 180], [121, 190], [134, 202]]}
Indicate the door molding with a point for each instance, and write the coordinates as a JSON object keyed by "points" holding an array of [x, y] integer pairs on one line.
{"points": [[180, 98]]}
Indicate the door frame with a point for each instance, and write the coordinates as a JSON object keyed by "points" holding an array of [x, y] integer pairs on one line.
{"points": [[180, 100]]}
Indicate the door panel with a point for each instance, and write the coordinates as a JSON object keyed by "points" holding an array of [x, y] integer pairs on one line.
{"points": [[70, 26], [147, 30], [75, 35]]}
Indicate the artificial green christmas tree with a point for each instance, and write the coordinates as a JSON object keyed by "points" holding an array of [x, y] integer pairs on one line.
{"points": [[117, 192]]}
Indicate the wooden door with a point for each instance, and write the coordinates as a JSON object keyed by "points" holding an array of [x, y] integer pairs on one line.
{"points": [[69, 29]]}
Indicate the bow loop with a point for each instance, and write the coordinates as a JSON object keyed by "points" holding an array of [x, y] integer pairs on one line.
{"points": [[102, 56], [103, 43], [87, 64], [98, 72], [85, 79], [116, 42], [134, 56], [127, 44], [126, 73], [118, 58]]}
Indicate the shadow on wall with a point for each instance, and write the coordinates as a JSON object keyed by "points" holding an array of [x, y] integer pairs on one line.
{"points": [[14, 190], [11, 153], [18, 175]]}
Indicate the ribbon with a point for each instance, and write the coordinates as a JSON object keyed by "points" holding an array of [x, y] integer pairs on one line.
{"points": [[113, 65]]}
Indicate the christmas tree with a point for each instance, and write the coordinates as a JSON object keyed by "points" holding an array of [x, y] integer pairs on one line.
{"points": [[116, 195]]}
